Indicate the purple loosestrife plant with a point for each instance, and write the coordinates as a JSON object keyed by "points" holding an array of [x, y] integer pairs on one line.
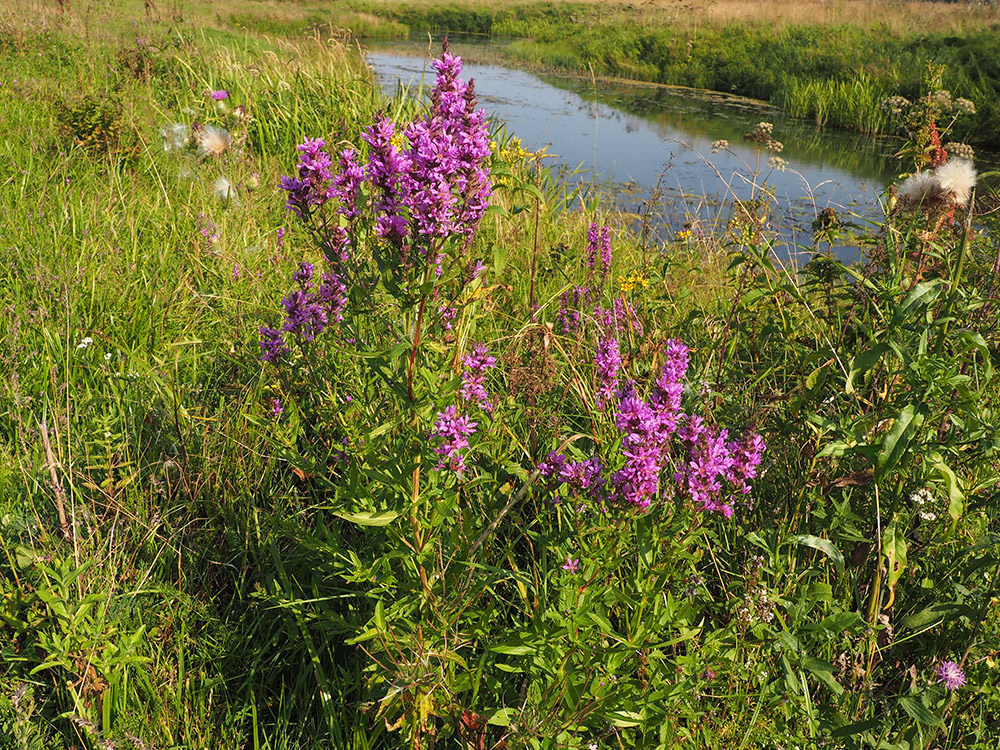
{"points": [[453, 430], [658, 439], [608, 362], [474, 377]]}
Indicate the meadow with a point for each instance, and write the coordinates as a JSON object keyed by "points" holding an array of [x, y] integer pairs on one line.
{"points": [[335, 420], [831, 62]]}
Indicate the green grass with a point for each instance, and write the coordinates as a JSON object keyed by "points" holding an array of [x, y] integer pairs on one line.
{"points": [[209, 583]]}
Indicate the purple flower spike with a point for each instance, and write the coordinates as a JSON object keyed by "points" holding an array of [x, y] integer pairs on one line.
{"points": [[950, 674], [454, 432], [474, 377], [608, 362]]}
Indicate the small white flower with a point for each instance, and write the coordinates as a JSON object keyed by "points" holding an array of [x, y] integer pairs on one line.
{"points": [[85, 343], [107, 357]]}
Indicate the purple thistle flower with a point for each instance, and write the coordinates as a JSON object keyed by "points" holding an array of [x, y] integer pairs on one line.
{"points": [[219, 95], [950, 674], [474, 376]]}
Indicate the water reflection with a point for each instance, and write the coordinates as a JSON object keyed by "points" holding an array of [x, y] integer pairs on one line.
{"points": [[648, 136]]}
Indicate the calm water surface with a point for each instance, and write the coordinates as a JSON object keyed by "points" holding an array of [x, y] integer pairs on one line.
{"points": [[644, 136]]}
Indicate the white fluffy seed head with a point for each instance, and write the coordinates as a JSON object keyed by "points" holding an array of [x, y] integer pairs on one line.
{"points": [[957, 178], [917, 188], [223, 189], [213, 141]]}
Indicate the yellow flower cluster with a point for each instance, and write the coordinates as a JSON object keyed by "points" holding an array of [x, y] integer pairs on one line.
{"points": [[684, 235], [512, 152], [632, 281]]}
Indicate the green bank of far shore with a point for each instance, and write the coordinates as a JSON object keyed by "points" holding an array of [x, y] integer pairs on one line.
{"points": [[835, 75]]}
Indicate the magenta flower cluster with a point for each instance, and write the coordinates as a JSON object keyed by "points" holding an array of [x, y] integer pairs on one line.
{"points": [[656, 434], [474, 377], [316, 304], [599, 249], [427, 184], [453, 429], [440, 185]]}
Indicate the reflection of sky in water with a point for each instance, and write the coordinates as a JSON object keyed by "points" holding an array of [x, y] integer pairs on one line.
{"points": [[622, 147]]}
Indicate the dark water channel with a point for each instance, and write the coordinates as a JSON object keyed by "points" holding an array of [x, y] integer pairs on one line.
{"points": [[653, 145]]}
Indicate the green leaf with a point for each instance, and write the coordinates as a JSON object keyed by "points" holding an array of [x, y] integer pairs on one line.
{"points": [[823, 545], [858, 727], [956, 498], [921, 295], [512, 650], [624, 718], [370, 518], [823, 671], [898, 439], [502, 717], [864, 362], [894, 549], [918, 711]]}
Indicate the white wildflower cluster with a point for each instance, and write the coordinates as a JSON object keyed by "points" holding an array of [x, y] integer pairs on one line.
{"points": [[776, 162], [950, 185], [85, 343], [720, 145], [923, 499], [756, 606]]}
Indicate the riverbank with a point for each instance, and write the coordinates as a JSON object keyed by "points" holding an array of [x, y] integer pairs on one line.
{"points": [[834, 66]]}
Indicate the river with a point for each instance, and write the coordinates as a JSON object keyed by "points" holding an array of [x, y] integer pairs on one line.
{"points": [[649, 148]]}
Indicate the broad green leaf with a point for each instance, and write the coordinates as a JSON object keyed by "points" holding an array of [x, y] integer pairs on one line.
{"points": [[823, 671], [956, 498], [624, 718], [502, 717], [921, 295], [894, 549], [898, 439], [918, 711], [864, 362], [823, 545], [858, 727], [370, 518]]}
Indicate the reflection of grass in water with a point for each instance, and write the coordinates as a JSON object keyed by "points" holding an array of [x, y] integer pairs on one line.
{"points": [[711, 116]]}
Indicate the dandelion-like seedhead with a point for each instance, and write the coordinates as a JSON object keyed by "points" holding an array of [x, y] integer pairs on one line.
{"points": [[212, 140], [947, 186]]}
